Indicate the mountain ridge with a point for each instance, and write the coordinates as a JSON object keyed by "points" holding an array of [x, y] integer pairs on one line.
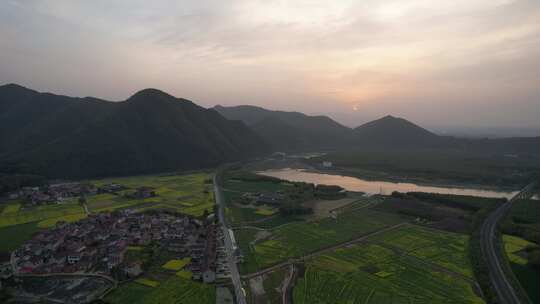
{"points": [[302, 131], [151, 131]]}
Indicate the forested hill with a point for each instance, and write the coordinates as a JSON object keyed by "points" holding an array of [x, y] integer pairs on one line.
{"points": [[60, 136], [395, 132], [290, 131]]}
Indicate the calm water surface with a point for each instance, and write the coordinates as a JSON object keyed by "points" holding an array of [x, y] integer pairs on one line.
{"points": [[375, 187]]}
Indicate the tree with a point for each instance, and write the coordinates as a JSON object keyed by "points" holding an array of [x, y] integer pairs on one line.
{"points": [[82, 199]]}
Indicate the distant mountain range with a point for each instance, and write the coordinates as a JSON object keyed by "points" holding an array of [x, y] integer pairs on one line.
{"points": [[293, 131], [296, 131], [60, 136]]}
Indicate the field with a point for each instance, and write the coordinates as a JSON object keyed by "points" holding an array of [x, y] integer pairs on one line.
{"points": [[188, 193], [241, 211], [147, 282], [265, 211], [173, 290], [272, 283], [445, 249], [370, 273], [12, 237], [299, 238], [11, 209], [528, 276], [524, 220], [39, 213], [176, 264], [234, 189], [66, 218], [238, 215], [513, 245]]}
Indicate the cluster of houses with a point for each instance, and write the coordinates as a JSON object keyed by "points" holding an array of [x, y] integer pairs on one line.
{"points": [[98, 244], [56, 193], [53, 193]]}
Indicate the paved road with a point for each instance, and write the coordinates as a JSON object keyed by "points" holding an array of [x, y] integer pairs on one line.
{"points": [[235, 275], [489, 246]]}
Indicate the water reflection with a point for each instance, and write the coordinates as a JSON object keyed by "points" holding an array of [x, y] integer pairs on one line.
{"points": [[374, 187]]}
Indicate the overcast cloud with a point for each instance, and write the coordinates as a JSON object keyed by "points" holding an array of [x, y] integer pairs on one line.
{"points": [[436, 62]]}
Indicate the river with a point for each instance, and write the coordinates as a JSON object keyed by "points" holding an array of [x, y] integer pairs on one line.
{"points": [[376, 187]]}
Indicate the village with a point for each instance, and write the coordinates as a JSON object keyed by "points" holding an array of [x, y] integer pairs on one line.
{"points": [[99, 245], [57, 193]]}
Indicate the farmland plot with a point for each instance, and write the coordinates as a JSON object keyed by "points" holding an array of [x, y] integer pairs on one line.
{"points": [[300, 238], [187, 193], [173, 290], [370, 273], [446, 249]]}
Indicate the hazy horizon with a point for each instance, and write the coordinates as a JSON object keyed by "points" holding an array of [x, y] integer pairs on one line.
{"points": [[454, 65]]}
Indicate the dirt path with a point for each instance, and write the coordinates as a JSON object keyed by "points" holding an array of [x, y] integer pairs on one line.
{"points": [[286, 288]]}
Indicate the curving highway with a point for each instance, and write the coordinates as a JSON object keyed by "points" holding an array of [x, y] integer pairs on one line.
{"points": [[489, 246]]}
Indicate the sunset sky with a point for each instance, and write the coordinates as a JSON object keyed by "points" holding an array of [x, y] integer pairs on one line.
{"points": [[436, 62]]}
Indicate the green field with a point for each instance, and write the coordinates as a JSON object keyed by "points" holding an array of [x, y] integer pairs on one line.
{"points": [[237, 183], [147, 282], [12, 237], [525, 219], [39, 213], [11, 209], [272, 283], [370, 273], [445, 249], [517, 250], [236, 214], [300, 238], [187, 193], [176, 264], [172, 290], [51, 222], [513, 245]]}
